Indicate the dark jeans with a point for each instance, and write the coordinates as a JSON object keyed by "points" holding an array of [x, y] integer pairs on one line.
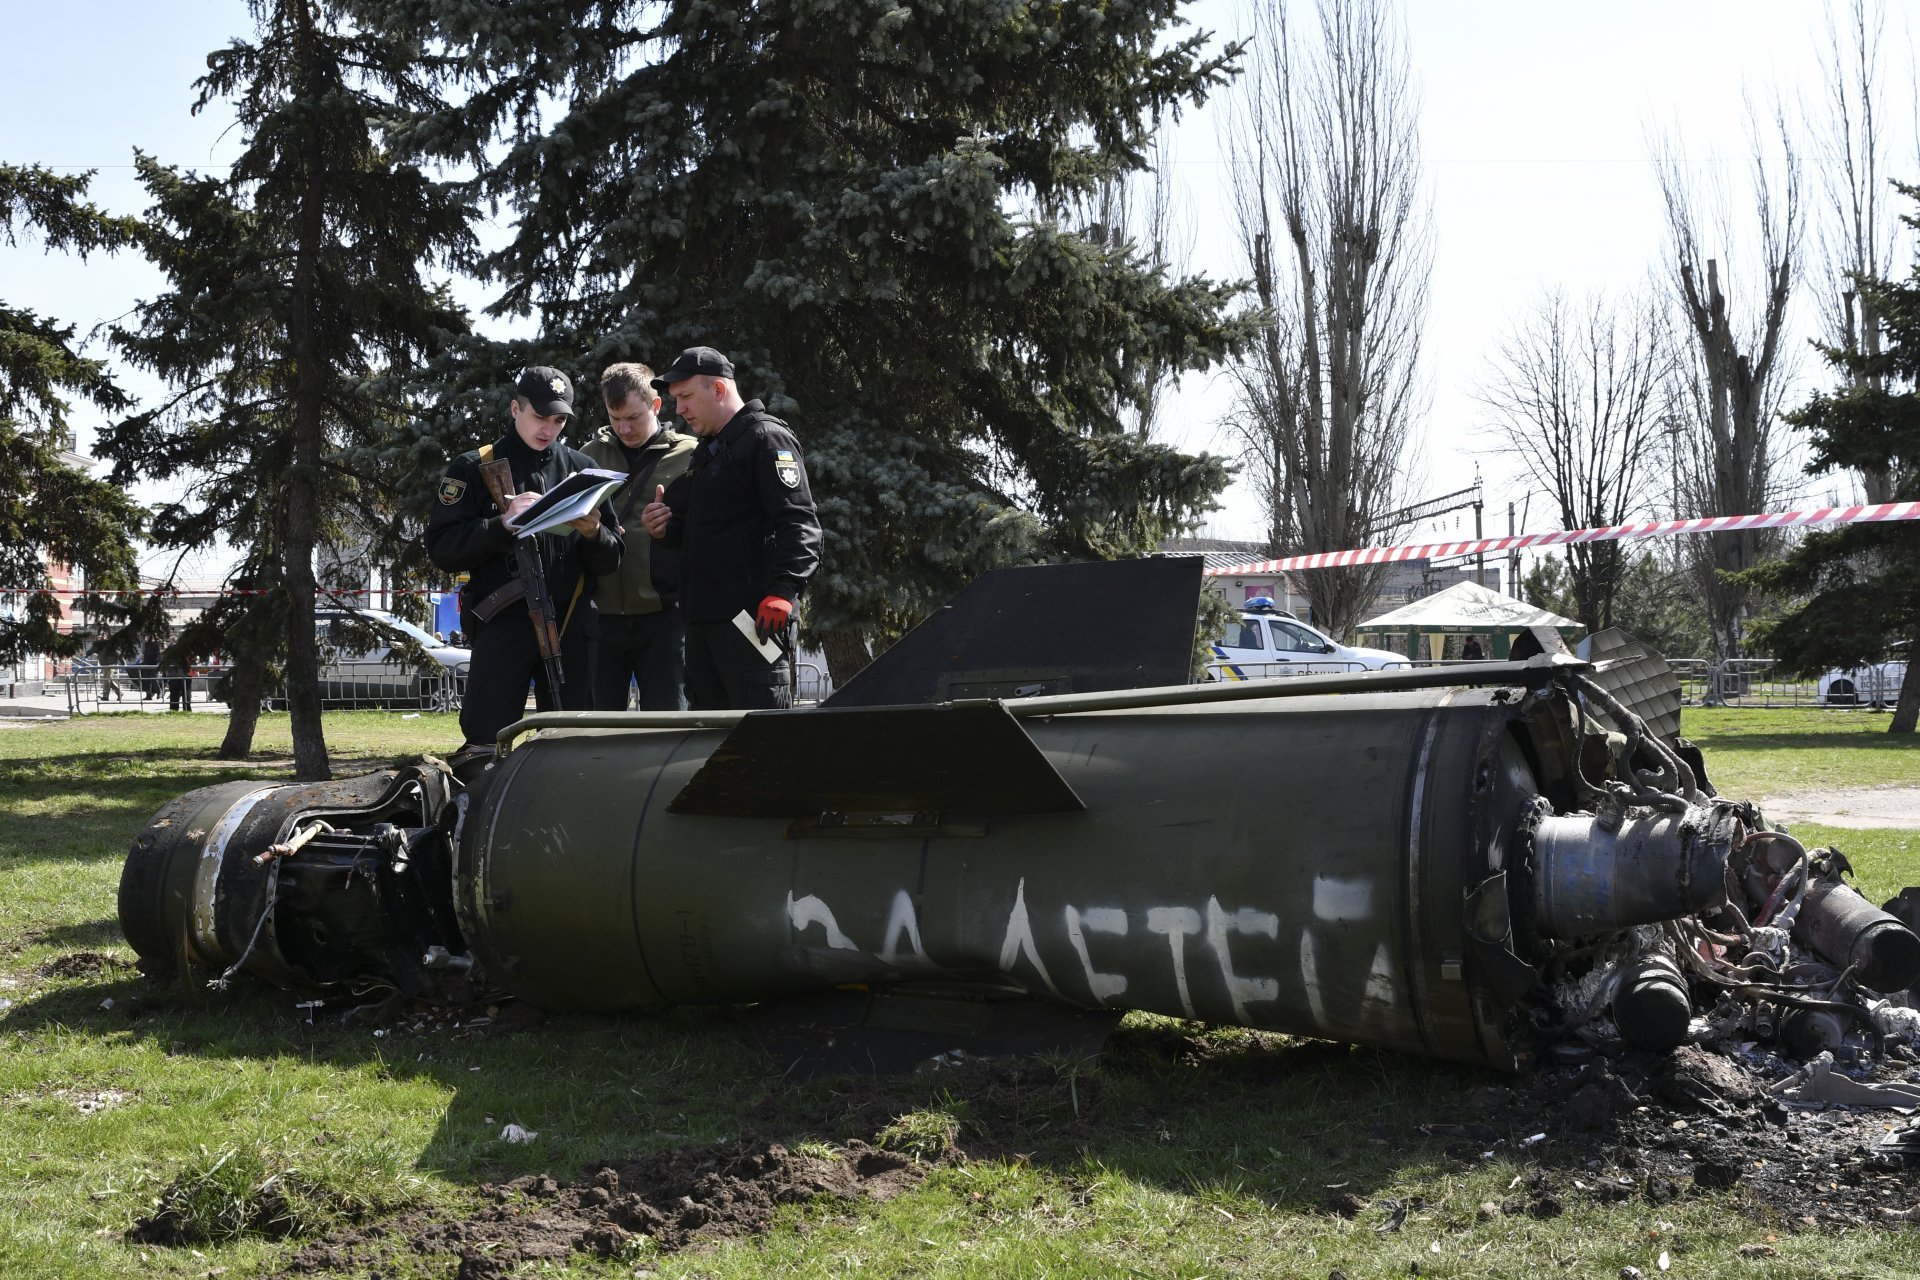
{"points": [[649, 649], [726, 673], [506, 657]]}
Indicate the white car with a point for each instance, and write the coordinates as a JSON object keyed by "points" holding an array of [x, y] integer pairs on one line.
{"points": [[1876, 684], [1272, 642], [369, 657]]}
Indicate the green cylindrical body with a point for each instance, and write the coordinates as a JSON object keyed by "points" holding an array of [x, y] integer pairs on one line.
{"points": [[1296, 864]]}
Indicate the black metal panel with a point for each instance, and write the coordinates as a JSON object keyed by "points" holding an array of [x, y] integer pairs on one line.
{"points": [[1044, 629], [1639, 677], [963, 758]]}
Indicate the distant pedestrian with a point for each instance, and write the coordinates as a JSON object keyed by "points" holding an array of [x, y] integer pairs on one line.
{"points": [[175, 670], [149, 678], [1471, 650]]}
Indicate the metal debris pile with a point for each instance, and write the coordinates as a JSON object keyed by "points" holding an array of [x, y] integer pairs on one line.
{"points": [[1797, 979]]}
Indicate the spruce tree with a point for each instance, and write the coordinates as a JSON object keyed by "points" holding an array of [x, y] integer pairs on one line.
{"points": [[299, 292], [872, 209], [48, 509], [1859, 585]]}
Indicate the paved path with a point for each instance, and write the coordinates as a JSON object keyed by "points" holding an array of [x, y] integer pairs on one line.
{"points": [[1857, 808]]}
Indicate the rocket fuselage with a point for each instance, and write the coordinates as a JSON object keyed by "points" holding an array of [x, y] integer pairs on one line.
{"points": [[1299, 865]]}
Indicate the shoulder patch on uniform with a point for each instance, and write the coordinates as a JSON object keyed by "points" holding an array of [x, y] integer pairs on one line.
{"points": [[451, 490], [786, 468]]}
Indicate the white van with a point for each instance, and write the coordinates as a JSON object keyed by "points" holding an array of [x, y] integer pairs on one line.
{"points": [[1272, 642]]}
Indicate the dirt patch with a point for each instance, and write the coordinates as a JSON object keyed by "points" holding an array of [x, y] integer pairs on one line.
{"points": [[1645, 1128], [659, 1203], [83, 964], [1857, 808]]}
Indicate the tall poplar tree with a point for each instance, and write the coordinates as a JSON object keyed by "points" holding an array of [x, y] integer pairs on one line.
{"points": [[48, 508], [867, 206], [299, 286], [1860, 584]]}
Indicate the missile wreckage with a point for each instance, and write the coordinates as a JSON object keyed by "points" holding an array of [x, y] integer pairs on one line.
{"points": [[1015, 809]]}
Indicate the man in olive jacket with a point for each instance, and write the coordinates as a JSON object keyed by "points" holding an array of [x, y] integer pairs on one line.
{"points": [[642, 636]]}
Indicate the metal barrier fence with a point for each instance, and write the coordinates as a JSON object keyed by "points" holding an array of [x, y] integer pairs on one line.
{"points": [[344, 686]]}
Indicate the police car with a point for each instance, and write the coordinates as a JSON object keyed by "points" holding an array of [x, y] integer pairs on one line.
{"points": [[1269, 642]]}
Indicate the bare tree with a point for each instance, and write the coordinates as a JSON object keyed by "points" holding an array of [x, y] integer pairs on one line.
{"points": [[1578, 392], [1333, 216], [1856, 236], [1730, 389], [1141, 213]]}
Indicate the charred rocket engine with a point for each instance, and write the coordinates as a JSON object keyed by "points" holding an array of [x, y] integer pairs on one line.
{"points": [[1465, 863]]}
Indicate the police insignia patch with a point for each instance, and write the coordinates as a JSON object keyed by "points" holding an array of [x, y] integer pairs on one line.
{"points": [[786, 468], [451, 490], [559, 387]]}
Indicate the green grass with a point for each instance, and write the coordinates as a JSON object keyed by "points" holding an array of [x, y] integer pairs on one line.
{"points": [[1187, 1152], [1794, 749], [1760, 753]]}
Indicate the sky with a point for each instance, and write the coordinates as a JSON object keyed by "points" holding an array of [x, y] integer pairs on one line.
{"points": [[1535, 123]]}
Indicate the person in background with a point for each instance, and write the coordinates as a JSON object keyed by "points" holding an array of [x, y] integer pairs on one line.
{"points": [[149, 667]]}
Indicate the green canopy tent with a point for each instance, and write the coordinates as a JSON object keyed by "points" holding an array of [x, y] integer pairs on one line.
{"points": [[1467, 609]]}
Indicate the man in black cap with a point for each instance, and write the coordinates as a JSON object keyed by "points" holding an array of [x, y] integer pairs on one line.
{"points": [[748, 536], [465, 531]]}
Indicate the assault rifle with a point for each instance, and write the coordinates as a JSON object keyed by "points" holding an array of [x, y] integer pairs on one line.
{"points": [[531, 572]]}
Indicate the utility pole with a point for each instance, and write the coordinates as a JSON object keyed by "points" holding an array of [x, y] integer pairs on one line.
{"points": [[1479, 557], [1513, 559]]}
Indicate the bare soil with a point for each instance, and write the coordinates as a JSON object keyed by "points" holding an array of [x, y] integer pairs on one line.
{"points": [[1639, 1127], [660, 1203]]}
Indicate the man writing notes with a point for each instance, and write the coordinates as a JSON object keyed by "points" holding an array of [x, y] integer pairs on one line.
{"points": [[467, 530], [743, 520]]}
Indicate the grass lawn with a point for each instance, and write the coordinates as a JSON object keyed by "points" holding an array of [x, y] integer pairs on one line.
{"points": [[1189, 1151]]}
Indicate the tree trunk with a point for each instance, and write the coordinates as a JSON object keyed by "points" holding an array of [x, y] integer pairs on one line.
{"points": [[847, 655], [1906, 712], [246, 686], [303, 478]]}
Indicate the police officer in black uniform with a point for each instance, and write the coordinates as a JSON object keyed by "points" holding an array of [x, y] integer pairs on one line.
{"points": [[749, 539], [467, 532]]}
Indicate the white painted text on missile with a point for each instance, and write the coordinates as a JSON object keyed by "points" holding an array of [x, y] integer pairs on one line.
{"points": [[1090, 930]]}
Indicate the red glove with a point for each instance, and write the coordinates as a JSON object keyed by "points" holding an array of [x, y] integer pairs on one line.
{"points": [[773, 615]]}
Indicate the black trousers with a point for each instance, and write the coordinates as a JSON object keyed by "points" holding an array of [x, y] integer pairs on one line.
{"points": [[648, 649], [726, 673], [506, 657]]}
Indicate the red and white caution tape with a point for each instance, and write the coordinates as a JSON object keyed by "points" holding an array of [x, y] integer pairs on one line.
{"points": [[1866, 514]]}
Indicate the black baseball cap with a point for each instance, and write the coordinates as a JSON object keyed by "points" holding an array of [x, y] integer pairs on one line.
{"points": [[692, 363], [547, 389]]}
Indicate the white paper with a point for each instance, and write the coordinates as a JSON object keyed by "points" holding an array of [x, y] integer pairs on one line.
{"points": [[743, 622], [572, 498]]}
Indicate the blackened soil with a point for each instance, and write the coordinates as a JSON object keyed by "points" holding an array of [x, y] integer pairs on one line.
{"points": [[1661, 1127]]}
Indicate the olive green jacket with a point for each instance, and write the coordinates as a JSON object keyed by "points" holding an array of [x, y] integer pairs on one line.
{"points": [[648, 570]]}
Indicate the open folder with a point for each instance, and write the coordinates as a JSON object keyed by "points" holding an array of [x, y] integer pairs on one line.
{"points": [[572, 498]]}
